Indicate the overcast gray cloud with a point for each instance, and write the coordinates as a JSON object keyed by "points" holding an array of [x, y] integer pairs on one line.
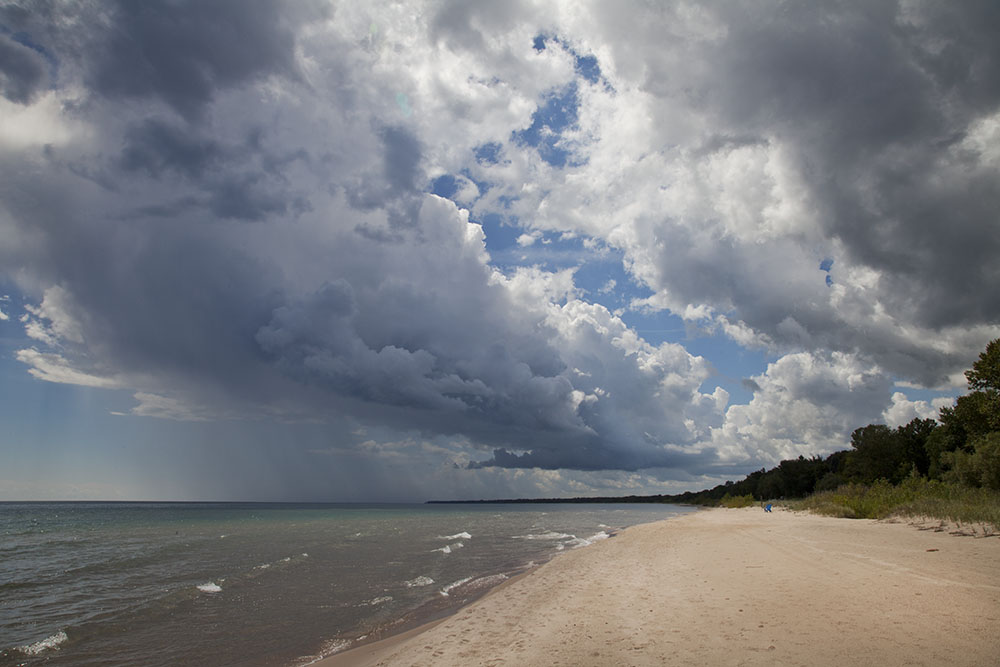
{"points": [[225, 209]]}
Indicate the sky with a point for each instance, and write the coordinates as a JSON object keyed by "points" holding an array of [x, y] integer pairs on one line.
{"points": [[354, 251]]}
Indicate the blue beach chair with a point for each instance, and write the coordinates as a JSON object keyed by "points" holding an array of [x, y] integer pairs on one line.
{"points": [[767, 507]]}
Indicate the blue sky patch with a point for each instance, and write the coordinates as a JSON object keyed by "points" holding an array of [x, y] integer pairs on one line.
{"points": [[488, 153], [444, 186], [558, 112], [827, 265], [587, 67]]}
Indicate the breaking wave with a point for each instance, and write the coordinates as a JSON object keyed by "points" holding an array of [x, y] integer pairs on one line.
{"points": [[456, 536], [376, 601], [448, 548], [48, 643], [453, 585], [419, 581]]}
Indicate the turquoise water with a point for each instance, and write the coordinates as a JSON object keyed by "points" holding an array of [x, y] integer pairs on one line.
{"points": [[259, 584]]}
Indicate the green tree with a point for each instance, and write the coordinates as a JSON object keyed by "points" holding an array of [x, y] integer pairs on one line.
{"points": [[799, 476], [940, 441], [985, 372], [877, 454], [913, 441], [965, 447], [769, 486], [984, 378]]}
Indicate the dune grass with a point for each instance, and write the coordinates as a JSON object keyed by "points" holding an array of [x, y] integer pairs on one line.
{"points": [[914, 497], [737, 501]]}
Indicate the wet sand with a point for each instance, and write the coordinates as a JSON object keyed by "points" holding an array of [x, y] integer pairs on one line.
{"points": [[731, 587]]}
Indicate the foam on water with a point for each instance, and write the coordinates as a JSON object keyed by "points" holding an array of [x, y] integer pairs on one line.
{"points": [[210, 587], [376, 601], [456, 536], [578, 542], [546, 536], [48, 643], [448, 548], [419, 581], [453, 585], [488, 581]]}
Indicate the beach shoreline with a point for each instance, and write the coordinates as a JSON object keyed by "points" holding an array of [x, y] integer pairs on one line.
{"points": [[730, 586]]}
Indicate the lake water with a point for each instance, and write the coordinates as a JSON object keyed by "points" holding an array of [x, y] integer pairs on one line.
{"points": [[260, 584]]}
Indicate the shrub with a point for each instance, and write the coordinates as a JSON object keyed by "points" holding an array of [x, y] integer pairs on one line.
{"points": [[980, 468], [915, 496]]}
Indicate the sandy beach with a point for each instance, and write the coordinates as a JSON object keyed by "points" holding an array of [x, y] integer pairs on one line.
{"points": [[732, 587]]}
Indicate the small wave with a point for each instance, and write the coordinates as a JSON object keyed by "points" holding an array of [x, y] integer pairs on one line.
{"points": [[48, 643], [578, 542], [210, 587], [280, 562], [331, 647], [488, 581], [546, 536], [447, 549], [456, 536], [376, 601], [455, 584], [419, 581]]}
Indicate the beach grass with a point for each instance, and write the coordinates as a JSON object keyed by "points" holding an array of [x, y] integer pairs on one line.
{"points": [[915, 497], [737, 501]]}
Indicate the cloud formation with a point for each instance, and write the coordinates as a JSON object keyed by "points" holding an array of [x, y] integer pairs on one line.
{"points": [[226, 210]]}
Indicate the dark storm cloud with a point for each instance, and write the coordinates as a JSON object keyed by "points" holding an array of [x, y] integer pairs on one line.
{"points": [[393, 345], [179, 51], [393, 185], [184, 51], [873, 101], [156, 146], [22, 69], [243, 181], [402, 159], [592, 454]]}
